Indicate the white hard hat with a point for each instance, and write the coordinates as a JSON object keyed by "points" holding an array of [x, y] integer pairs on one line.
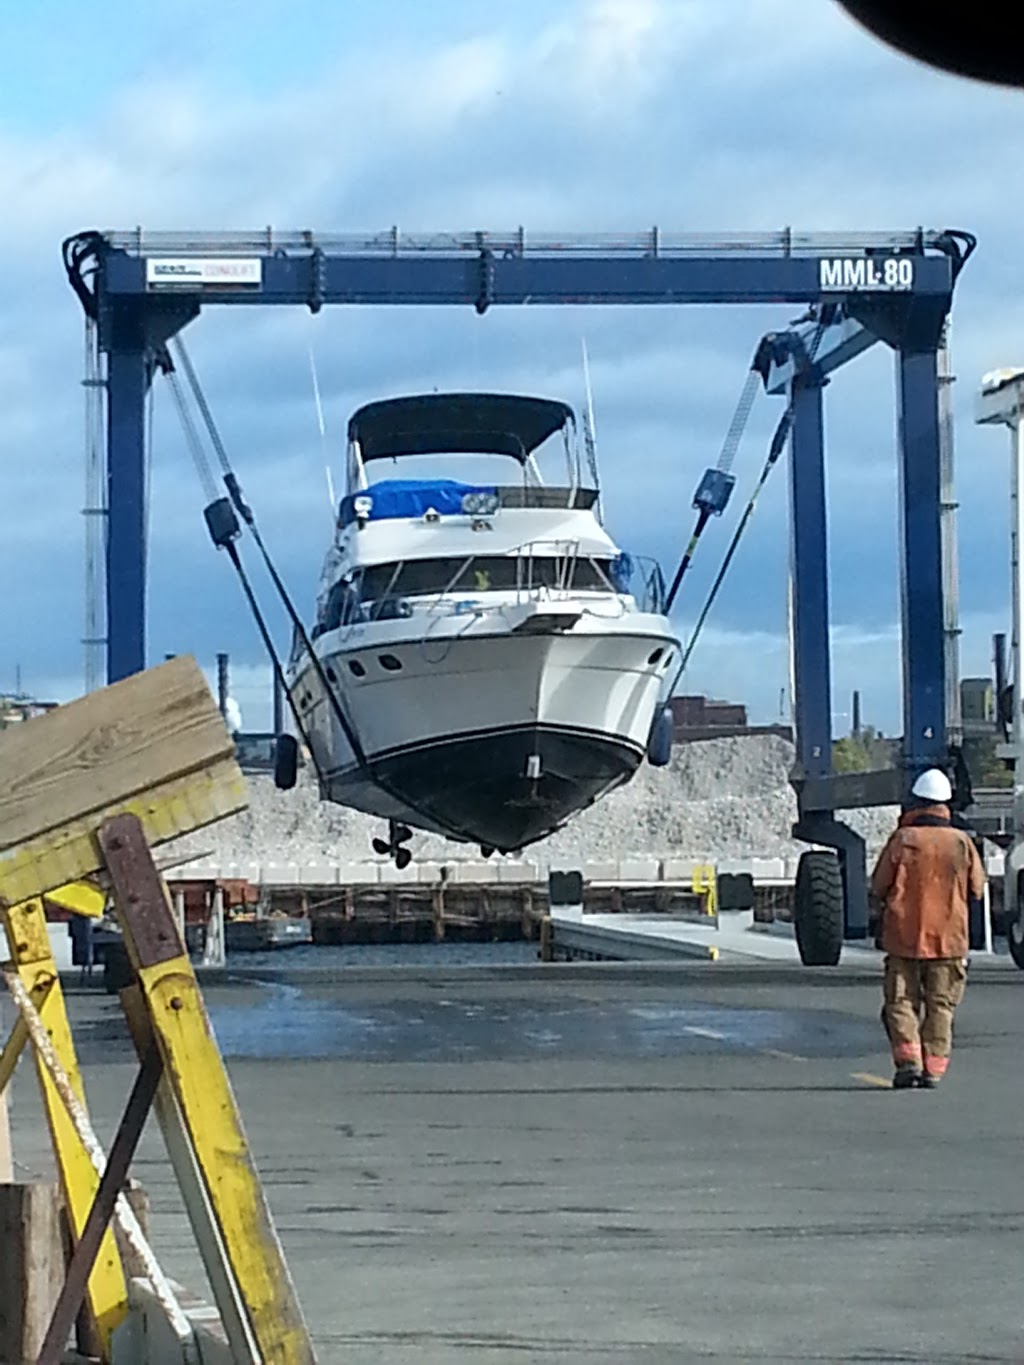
{"points": [[933, 785]]}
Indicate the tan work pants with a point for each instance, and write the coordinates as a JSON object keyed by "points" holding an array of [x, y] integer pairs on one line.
{"points": [[915, 986]]}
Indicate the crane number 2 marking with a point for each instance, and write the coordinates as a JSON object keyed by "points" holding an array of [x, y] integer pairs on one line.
{"points": [[866, 273]]}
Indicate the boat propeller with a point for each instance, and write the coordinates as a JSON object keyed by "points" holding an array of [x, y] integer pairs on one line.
{"points": [[393, 846]]}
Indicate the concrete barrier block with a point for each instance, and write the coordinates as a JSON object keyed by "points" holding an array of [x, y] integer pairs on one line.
{"points": [[600, 871], [473, 873], [390, 875], [279, 874], [517, 873], [678, 869], [768, 869], [356, 874], [318, 874], [639, 869]]}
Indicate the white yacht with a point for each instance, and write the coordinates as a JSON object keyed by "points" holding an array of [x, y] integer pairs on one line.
{"points": [[496, 663]]}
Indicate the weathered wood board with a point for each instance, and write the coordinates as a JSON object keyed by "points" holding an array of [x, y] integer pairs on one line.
{"points": [[33, 1267], [154, 744]]}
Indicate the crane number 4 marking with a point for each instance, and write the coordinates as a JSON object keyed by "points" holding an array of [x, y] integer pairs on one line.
{"points": [[867, 273]]}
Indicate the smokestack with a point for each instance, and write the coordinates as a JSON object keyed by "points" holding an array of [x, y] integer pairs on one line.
{"points": [[856, 715], [999, 658], [222, 683], [278, 705]]}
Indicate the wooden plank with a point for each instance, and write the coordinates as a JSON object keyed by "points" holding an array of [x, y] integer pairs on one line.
{"points": [[166, 811], [33, 1267], [6, 1154], [82, 761]]}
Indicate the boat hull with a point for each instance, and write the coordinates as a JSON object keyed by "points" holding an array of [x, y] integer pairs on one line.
{"points": [[490, 737]]}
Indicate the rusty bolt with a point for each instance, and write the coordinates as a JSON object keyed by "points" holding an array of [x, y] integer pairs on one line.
{"points": [[177, 1003]]}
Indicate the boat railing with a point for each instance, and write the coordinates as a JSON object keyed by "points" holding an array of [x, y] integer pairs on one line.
{"points": [[540, 570]]}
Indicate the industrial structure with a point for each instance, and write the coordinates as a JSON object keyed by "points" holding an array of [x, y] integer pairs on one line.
{"points": [[1001, 402], [140, 289]]}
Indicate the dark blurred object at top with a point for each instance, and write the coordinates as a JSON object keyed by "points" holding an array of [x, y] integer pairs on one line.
{"points": [[968, 42]]}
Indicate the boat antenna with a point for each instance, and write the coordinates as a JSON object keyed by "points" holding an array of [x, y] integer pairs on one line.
{"points": [[323, 432], [589, 434]]}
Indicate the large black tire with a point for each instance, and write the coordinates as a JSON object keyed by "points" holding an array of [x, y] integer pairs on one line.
{"points": [[286, 762], [818, 909]]}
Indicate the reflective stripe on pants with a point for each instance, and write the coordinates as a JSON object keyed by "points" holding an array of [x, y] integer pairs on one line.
{"points": [[920, 1000]]}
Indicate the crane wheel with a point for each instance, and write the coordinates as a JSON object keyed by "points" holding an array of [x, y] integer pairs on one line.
{"points": [[819, 909]]}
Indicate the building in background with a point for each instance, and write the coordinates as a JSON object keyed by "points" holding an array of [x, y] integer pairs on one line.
{"points": [[16, 707], [706, 718]]}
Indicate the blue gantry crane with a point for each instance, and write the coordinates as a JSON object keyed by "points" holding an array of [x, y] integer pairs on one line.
{"points": [[140, 289]]}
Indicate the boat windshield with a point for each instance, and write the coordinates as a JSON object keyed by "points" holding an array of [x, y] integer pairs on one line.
{"points": [[385, 591]]}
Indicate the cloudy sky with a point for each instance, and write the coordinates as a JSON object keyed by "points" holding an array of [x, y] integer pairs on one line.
{"points": [[586, 116]]}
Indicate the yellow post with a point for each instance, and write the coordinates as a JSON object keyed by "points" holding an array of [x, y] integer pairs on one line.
{"points": [[32, 959], [705, 885]]}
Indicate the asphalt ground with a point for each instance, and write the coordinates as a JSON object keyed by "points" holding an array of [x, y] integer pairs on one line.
{"points": [[597, 1164]]}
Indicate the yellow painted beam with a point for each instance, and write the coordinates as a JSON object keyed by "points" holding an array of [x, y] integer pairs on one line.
{"points": [[82, 898], [32, 960], [168, 811], [199, 1080]]}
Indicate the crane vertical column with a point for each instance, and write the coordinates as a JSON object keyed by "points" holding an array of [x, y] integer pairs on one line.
{"points": [[128, 376], [921, 562], [809, 555]]}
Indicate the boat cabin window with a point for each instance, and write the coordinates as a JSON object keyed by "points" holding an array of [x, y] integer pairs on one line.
{"points": [[485, 573]]}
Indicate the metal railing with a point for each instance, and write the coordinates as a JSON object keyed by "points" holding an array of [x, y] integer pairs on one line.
{"points": [[651, 242], [535, 575]]}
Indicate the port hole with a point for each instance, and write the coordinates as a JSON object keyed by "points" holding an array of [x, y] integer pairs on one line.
{"points": [[356, 668], [389, 662], [653, 658]]}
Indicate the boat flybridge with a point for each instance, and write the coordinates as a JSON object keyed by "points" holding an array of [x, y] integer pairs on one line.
{"points": [[496, 663]]}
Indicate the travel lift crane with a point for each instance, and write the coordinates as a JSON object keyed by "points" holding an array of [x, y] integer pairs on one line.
{"points": [[140, 289], [1001, 401]]}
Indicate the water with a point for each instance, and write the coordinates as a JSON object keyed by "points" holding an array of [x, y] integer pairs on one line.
{"points": [[336, 959]]}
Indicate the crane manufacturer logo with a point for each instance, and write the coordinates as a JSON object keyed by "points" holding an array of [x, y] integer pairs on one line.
{"points": [[190, 272], [866, 273]]}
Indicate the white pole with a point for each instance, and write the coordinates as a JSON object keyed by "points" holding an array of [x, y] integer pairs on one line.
{"points": [[1015, 853], [1017, 601]]}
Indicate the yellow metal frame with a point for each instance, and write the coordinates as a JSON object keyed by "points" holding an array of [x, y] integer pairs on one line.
{"points": [[72, 866], [32, 960]]}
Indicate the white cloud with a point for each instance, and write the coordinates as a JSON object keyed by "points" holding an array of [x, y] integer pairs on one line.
{"points": [[612, 115]]}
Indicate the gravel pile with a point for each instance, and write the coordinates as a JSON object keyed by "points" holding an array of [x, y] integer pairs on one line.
{"points": [[722, 798]]}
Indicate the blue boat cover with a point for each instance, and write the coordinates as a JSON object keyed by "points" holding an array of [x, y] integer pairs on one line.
{"points": [[391, 498]]}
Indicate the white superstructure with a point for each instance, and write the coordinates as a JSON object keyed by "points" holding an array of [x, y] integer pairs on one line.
{"points": [[497, 663]]}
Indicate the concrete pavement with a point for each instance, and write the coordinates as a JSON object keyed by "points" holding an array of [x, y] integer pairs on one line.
{"points": [[612, 1164]]}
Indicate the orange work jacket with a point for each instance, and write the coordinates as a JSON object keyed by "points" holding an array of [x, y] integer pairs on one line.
{"points": [[924, 876]]}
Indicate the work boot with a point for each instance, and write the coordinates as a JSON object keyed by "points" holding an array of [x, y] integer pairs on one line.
{"points": [[906, 1078], [927, 1082]]}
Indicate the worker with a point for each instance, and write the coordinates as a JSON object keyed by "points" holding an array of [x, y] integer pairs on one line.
{"points": [[923, 880]]}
